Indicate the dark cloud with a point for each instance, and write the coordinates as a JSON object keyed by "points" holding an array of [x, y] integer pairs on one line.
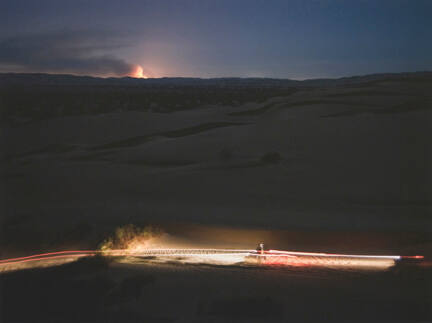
{"points": [[66, 52]]}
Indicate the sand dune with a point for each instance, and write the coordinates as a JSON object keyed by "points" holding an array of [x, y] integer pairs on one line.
{"points": [[345, 157]]}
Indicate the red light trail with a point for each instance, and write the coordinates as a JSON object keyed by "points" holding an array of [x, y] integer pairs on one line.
{"points": [[48, 255], [267, 257]]}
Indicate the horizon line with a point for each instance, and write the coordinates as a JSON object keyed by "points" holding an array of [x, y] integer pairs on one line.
{"points": [[211, 78]]}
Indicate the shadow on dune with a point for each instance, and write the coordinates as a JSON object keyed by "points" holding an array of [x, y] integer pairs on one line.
{"points": [[135, 141]]}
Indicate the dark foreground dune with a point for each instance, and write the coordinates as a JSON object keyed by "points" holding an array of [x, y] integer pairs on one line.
{"points": [[92, 290]]}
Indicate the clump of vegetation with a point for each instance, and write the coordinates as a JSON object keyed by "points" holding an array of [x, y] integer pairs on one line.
{"points": [[131, 237]]}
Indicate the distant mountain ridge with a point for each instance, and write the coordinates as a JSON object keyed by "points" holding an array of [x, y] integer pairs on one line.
{"points": [[45, 79]]}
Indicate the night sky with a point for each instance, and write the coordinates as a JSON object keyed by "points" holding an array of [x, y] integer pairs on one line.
{"points": [[202, 38]]}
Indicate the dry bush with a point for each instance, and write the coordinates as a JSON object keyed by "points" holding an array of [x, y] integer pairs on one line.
{"points": [[131, 237]]}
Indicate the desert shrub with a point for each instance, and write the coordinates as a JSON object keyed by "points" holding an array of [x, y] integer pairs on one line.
{"points": [[130, 237]]}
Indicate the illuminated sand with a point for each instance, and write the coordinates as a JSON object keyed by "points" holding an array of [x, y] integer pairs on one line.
{"points": [[209, 256]]}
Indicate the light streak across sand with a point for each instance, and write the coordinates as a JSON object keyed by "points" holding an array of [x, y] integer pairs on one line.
{"points": [[226, 256], [75, 255], [315, 254], [47, 255]]}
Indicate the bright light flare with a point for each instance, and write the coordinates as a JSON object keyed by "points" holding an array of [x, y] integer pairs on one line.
{"points": [[138, 72]]}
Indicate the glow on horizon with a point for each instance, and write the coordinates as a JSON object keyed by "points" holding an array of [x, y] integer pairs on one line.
{"points": [[138, 72]]}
